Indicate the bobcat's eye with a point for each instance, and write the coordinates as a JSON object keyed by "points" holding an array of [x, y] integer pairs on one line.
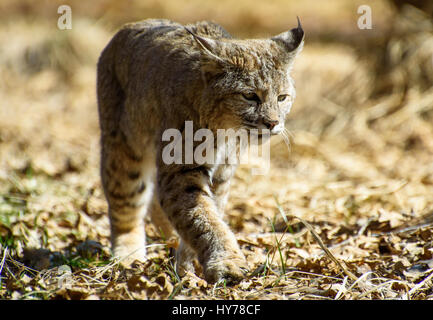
{"points": [[282, 97], [251, 96]]}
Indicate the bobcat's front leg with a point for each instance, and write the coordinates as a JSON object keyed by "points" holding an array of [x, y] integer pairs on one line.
{"points": [[189, 203]]}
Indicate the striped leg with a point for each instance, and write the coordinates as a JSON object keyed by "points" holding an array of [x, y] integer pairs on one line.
{"points": [[186, 198], [127, 178]]}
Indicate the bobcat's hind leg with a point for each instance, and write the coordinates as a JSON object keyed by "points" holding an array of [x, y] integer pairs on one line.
{"points": [[127, 178], [184, 253], [160, 220], [185, 256]]}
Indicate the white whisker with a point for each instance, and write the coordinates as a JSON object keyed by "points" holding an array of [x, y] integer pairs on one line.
{"points": [[285, 135]]}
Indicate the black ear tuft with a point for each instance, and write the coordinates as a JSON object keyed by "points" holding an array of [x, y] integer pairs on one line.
{"points": [[292, 40]]}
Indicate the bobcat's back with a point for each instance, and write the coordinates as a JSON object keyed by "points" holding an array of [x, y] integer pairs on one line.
{"points": [[156, 61]]}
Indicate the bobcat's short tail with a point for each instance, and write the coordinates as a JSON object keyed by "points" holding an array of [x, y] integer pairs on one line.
{"points": [[110, 94]]}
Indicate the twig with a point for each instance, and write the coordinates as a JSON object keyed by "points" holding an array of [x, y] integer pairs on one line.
{"points": [[2, 263], [421, 284], [324, 248], [319, 241]]}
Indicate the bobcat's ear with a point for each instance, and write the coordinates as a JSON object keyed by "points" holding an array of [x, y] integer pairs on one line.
{"points": [[207, 45], [211, 62], [292, 41]]}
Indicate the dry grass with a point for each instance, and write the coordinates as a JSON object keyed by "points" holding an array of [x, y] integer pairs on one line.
{"points": [[345, 214]]}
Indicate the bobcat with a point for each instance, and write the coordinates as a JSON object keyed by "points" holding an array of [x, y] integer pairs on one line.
{"points": [[155, 75]]}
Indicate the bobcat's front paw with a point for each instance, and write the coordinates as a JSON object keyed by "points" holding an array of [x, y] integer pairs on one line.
{"points": [[231, 269]]}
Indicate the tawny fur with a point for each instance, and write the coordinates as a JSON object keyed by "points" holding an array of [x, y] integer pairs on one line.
{"points": [[155, 75]]}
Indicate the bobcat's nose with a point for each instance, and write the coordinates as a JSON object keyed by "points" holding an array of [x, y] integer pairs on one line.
{"points": [[270, 124]]}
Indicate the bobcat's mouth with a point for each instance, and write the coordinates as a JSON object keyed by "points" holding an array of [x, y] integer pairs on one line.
{"points": [[261, 129]]}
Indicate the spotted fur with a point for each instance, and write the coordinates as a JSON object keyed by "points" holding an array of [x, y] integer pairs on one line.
{"points": [[155, 75]]}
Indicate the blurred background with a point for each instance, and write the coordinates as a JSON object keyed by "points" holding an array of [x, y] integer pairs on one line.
{"points": [[361, 126]]}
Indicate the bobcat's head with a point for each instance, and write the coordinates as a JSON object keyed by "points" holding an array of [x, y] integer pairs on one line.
{"points": [[247, 81]]}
